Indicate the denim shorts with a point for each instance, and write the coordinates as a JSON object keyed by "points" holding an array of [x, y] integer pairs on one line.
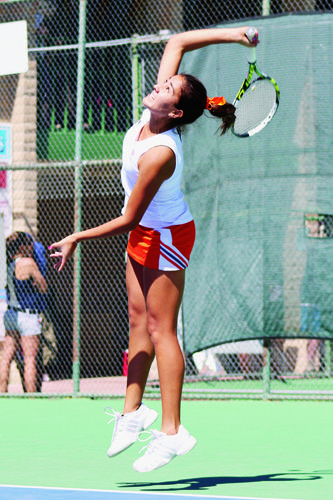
{"points": [[24, 323]]}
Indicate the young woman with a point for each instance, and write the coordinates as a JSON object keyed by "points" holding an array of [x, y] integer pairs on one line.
{"points": [[161, 238], [22, 324]]}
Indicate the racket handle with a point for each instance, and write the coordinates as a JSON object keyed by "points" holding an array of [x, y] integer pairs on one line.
{"points": [[252, 35], [252, 57]]}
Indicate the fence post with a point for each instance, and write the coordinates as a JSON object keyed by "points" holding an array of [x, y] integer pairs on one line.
{"points": [[136, 80], [265, 7], [78, 199], [267, 369]]}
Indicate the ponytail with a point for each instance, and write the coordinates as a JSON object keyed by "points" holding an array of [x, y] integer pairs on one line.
{"points": [[193, 101], [218, 107]]}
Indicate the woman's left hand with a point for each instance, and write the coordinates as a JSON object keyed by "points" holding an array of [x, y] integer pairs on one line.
{"points": [[66, 248]]}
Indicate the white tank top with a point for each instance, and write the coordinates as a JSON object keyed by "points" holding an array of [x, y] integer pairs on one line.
{"points": [[168, 206]]}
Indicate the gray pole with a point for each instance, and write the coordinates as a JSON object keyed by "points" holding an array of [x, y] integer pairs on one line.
{"points": [[78, 198]]}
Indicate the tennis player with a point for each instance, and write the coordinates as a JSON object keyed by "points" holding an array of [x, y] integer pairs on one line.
{"points": [[161, 239]]}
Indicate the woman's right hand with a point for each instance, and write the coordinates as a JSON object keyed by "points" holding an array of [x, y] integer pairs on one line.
{"points": [[64, 250], [243, 38]]}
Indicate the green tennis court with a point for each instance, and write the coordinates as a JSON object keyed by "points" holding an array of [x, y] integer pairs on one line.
{"points": [[246, 449]]}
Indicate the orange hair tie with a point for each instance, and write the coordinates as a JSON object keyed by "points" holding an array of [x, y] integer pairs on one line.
{"points": [[219, 101]]}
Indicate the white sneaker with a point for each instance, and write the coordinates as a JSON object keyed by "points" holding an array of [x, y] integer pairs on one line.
{"points": [[164, 448], [128, 427]]}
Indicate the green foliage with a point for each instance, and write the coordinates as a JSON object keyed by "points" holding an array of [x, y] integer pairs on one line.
{"points": [[96, 146]]}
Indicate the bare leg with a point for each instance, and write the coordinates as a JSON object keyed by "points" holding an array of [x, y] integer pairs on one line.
{"points": [[9, 348], [164, 291], [30, 345], [140, 349]]}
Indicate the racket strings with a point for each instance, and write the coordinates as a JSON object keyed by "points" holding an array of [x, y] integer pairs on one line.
{"points": [[256, 105]]}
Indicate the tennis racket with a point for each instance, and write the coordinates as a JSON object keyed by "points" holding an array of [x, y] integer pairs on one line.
{"points": [[257, 101]]}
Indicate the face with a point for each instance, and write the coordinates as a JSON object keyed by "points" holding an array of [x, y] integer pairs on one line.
{"points": [[165, 97], [27, 250]]}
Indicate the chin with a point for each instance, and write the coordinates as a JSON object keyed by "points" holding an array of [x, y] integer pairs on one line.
{"points": [[145, 101]]}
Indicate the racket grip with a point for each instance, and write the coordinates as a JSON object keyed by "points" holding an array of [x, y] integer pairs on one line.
{"points": [[252, 57], [252, 34]]}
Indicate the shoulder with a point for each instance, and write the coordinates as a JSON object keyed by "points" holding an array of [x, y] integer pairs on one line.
{"points": [[26, 263], [158, 152], [159, 161], [170, 143], [162, 149]]}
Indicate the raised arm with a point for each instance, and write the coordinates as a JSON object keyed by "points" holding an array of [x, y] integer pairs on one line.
{"points": [[181, 43]]}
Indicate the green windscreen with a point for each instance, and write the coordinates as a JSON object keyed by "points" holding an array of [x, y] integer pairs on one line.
{"points": [[262, 264]]}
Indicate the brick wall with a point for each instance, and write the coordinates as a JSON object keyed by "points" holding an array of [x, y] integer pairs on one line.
{"points": [[24, 182]]}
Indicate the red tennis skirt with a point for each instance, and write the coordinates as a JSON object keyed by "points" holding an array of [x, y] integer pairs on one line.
{"points": [[167, 249]]}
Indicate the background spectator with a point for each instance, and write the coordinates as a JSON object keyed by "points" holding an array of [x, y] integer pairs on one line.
{"points": [[25, 287]]}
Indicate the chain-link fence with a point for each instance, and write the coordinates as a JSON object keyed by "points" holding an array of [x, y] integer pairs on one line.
{"points": [[90, 63]]}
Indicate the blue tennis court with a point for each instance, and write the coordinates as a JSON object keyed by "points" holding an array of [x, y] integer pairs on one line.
{"points": [[30, 493]]}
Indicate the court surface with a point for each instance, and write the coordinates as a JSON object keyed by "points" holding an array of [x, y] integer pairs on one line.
{"points": [[56, 449], [8, 493]]}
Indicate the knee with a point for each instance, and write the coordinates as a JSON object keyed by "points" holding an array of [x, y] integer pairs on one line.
{"points": [[29, 358], [160, 332], [153, 328], [136, 315]]}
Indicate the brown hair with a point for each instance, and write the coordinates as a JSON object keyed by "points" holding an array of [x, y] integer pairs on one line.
{"points": [[14, 243], [226, 112], [193, 100]]}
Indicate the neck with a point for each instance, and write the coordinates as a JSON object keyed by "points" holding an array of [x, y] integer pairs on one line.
{"points": [[158, 124]]}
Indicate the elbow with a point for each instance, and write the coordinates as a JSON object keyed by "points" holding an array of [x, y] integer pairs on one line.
{"points": [[131, 223], [176, 43], [173, 39]]}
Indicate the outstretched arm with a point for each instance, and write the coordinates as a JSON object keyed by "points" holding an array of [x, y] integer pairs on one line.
{"points": [[181, 43], [155, 166]]}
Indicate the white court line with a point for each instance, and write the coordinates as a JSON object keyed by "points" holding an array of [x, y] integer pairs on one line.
{"points": [[157, 495]]}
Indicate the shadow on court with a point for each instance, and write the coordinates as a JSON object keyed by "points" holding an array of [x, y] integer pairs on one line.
{"points": [[203, 483]]}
